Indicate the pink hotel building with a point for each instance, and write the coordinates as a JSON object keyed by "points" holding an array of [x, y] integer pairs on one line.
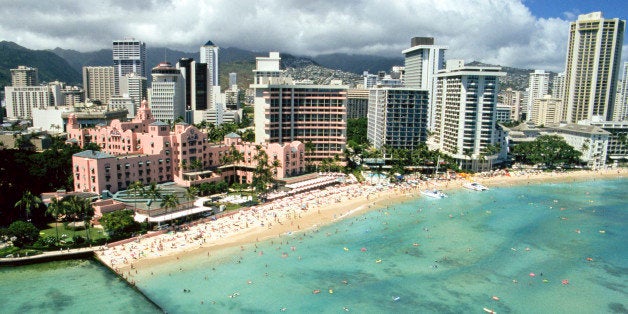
{"points": [[146, 150]]}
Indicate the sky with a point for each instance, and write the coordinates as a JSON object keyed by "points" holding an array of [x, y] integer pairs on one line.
{"points": [[521, 33]]}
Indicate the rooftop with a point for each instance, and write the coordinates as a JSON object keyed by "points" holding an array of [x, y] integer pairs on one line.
{"points": [[93, 154], [160, 123]]}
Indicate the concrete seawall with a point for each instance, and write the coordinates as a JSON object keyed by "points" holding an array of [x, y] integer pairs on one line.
{"points": [[49, 257]]}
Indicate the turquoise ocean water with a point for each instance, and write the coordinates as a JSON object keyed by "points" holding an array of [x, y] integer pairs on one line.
{"points": [[422, 256], [79, 286]]}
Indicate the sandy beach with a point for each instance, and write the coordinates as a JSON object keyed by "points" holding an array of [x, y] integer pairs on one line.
{"points": [[304, 212]]}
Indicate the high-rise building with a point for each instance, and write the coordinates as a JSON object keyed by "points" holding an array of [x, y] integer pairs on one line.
{"points": [[465, 120], [167, 93], [357, 103], [546, 110], [423, 60], [538, 87], [621, 103], [129, 56], [196, 87], [267, 68], [558, 86], [98, 82], [233, 79], [308, 113], [24, 76], [397, 117], [369, 80], [514, 100], [21, 100], [592, 66], [134, 87], [503, 113], [209, 56], [72, 95], [285, 112]]}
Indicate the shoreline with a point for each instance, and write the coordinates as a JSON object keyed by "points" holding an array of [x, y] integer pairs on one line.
{"points": [[359, 199]]}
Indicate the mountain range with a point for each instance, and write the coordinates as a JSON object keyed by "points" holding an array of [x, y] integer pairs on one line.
{"points": [[66, 65]]}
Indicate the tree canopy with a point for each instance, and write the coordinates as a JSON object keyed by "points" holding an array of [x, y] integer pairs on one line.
{"points": [[356, 131], [120, 223], [25, 233], [548, 150], [49, 170]]}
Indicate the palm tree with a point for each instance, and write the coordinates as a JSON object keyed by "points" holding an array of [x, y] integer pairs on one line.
{"points": [[262, 174], [169, 201], [233, 156], [136, 189], [191, 193], [72, 208], [86, 211], [309, 151], [153, 192], [28, 202], [55, 209]]}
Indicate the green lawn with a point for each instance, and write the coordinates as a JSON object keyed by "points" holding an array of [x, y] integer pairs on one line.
{"points": [[94, 233]]}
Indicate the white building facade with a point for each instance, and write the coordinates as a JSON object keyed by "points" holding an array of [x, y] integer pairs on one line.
{"points": [[397, 117], [538, 86], [209, 56], [129, 56], [19, 101], [466, 113], [167, 93], [423, 60]]}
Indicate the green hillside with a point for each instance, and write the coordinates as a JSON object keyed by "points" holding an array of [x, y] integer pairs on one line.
{"points": [[51, 67]]}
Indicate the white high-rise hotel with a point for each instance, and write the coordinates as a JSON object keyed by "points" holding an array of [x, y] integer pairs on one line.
{"points": [[537, 88], [466, 109], [422, 61], [592, 67], [129, 56]]}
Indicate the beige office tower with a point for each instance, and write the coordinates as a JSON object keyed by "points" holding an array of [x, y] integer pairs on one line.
{"points": [[546, 110], [592, 67], [24, 76], [98, 83], [514, 100]]}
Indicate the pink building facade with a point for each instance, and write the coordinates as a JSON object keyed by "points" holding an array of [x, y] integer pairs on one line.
{"points": [[148, 151]]}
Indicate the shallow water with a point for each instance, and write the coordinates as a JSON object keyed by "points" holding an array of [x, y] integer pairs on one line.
{"points": [[469, 247], [431, 256], [79, 286]]}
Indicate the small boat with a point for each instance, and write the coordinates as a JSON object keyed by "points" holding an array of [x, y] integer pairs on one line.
{"points": [[475, 186], [434, 193], [395, 298], [489, 311]]}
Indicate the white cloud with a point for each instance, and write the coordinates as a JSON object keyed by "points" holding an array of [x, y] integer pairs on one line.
{"points": [[501, 32]]}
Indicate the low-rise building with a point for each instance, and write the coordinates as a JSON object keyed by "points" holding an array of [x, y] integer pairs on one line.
{"points": [[147, 151], [617, 140], [590, 140]]}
